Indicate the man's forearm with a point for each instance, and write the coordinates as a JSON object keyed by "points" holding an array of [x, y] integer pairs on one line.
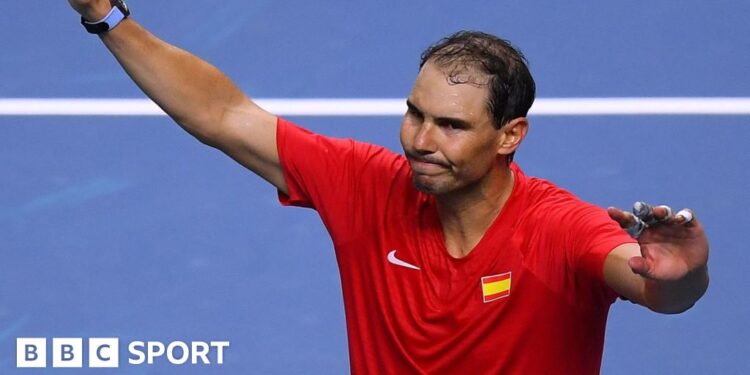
{"points": [[191, 91], [194, 93]]}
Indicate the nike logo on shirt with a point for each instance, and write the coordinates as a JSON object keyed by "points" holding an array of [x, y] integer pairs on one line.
{"points": [[393, 260]]}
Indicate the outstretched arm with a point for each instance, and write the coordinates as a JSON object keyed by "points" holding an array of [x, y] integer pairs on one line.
{"points": [[200, 98], [667, 270]]}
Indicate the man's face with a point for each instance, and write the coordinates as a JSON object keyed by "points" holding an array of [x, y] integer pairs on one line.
{"points": [[447, 132]]}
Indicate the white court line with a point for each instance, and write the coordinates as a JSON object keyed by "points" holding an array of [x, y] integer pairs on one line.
{"points": [[385, 107]]}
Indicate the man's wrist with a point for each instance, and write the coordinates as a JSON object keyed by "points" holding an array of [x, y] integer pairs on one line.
{"points": [[98, 15], [116, 14]]}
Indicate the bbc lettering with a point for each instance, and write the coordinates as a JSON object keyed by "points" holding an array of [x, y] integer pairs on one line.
{"points": [[104, 352]]}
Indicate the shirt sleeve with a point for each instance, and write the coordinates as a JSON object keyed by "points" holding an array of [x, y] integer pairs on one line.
{"points": [[313, 165], [592, 235], [340, 178]]}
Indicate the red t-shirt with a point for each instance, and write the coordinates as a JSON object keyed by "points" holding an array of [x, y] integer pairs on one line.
{"points": [[529, 298]]}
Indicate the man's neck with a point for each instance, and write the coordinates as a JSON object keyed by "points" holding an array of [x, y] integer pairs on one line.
{"points": [[467, 214]]}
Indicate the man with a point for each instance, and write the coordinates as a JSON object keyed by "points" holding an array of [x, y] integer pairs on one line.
{"points": [[452, 260]]}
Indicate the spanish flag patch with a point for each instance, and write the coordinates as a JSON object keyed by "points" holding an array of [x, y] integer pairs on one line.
{"points": [[495, 287]]}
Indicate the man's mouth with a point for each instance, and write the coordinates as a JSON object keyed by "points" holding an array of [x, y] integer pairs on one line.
{"points": [[426, 160], [422, 165]]}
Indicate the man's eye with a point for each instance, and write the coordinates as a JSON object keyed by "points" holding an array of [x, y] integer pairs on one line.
{"points": [[413, 112], [453, 126]]}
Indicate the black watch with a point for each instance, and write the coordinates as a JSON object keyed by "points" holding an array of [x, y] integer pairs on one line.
{"points": [[119, 12]]}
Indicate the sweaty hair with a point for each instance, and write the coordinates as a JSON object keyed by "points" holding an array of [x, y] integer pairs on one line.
{"points": [[511, 87]]}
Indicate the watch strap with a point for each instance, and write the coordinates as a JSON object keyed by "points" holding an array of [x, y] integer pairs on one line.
{"points": [[109, 22]]}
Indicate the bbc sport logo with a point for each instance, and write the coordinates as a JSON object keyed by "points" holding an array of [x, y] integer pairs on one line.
{"points": [[104, 352]]}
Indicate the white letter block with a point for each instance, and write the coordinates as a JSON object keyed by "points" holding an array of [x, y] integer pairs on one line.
{"points": [[104, 352], [31, 352], [67, 352]]}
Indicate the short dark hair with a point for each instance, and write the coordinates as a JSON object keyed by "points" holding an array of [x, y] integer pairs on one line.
{"points": [[511, 86]]}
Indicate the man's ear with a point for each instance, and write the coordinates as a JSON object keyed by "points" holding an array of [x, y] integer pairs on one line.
{"points": [[512, 134]]}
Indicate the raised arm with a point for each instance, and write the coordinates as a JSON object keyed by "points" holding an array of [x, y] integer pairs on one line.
{"points": [[200, 98], [667, 271]]}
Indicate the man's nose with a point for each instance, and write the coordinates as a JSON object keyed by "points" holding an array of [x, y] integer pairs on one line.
{"points": [[423, 141]]}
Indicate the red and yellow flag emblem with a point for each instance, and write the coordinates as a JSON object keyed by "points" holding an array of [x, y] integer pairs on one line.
{"points": [[495, 287]]}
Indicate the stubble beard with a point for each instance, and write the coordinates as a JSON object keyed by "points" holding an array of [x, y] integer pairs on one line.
{"points": [[435, 188]]}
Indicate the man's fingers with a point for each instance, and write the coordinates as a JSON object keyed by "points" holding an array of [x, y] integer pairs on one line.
{"points": [[652, 215], [685, 216], [645, 215], [644, 212], [636, 228], [640, 266], [629, 222], [621, 217], [662, 213]]}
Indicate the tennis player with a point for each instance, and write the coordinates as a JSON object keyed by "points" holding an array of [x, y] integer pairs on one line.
{"points": [[452, 260]]}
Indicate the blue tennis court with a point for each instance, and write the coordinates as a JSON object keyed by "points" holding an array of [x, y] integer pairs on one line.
{"points": [[124, 226]]}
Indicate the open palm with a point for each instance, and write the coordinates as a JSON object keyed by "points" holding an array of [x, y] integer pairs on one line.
{"points": [[671, 246]]}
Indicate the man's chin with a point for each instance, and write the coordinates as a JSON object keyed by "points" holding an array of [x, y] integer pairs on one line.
{"points": [[427, 187]]}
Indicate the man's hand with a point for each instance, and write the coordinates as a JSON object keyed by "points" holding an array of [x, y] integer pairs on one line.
{"points": [[671, 245], [91, 10], [671, 258]]}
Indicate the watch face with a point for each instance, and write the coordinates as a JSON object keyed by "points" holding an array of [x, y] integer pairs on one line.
{"points": [[121, 4]]}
